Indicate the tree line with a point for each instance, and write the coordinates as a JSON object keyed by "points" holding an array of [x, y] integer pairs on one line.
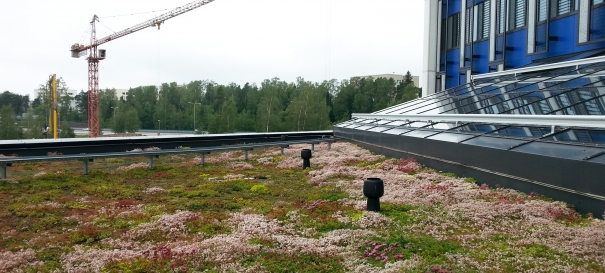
{"points": [[206, 106]]}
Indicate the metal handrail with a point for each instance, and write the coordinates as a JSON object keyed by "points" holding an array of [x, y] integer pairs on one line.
{"points": [[85, 158], [540, 67], [538, 120]]}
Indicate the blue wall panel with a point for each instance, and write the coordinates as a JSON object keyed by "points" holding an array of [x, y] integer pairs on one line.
{"points": [[563, 33], [517, 41], [480, 57], [565, 30], [453, 7]]}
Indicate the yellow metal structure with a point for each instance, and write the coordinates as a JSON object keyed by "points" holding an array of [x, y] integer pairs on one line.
{"points": [[53, 117]]}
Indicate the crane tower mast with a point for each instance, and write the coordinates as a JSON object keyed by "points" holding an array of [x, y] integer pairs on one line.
{"points": [[95, 55]]}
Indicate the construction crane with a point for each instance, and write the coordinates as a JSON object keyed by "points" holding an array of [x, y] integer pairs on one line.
{"points": [[53, 113], [95, 55]]}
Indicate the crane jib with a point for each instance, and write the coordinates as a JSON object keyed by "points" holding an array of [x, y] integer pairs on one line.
{"points": [[95, 55], [149, 23]]}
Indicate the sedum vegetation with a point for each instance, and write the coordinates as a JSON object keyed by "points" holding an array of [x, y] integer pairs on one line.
{"points": [[269, 215]]}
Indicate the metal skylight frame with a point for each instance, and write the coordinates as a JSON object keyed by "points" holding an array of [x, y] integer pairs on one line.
{"points": [[536, 120], [540, 68]]}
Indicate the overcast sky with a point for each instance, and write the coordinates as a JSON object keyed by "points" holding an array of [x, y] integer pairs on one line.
{"points": [[225, 41]]}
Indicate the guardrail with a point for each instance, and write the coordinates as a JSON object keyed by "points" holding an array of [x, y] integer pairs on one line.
{"points": [[42, 147], [86, 158], [541, 67], [538, 120]]}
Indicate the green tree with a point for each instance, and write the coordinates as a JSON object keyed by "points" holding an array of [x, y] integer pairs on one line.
{"points": [[271, 105], [19, 103], [36, 122], [410, 92], [82, 106], [408, 79], [66, 132], [229, 116], [8, 127], [144, 100], [308, 109], [66, 111], [126, 119], [107, 104], [244, 122]]}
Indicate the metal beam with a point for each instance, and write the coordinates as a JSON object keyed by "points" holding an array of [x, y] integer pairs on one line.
{"points": [[7, 161], [537, 120], [541, 67]]}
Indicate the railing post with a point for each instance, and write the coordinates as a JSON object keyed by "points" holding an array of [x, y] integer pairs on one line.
{"points": [[85, 170], [246, 153], [151, 160], [203, 158], [3, 170], [282, 147]]}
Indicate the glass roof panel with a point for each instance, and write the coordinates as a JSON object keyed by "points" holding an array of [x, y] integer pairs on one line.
{"points": [[396, 131], [598, 159], [364, 127], [379, 129], [558, 150], [494, 142], [450, 137], [420, 133], [382, 122], [398, 122]]}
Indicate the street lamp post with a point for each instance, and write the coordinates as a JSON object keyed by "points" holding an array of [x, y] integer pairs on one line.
{"points": [[159, 125], [114, 118], [194, 103]]}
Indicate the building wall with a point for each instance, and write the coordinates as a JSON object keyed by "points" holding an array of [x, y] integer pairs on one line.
{"points": [[121, 94], [471, 37]]}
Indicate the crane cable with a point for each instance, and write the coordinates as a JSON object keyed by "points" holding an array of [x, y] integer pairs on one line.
{"points": [[86, 32], [136, 13], [106, 27]]}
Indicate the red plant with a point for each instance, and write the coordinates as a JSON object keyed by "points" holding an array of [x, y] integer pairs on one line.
{"points": [[382, 252], [565, 214], [124, 204], [409, 165]]}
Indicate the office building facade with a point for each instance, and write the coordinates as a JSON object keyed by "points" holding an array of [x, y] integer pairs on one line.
{"points": [[472, 37], [513, 95]]}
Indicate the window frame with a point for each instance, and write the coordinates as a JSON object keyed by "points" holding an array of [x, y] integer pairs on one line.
{"points": [[512, 16], [575, 4], [452, 32]]}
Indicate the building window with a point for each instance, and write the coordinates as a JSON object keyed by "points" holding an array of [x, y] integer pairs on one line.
{"points": [[542, 10], [560, 7], [453, 31], [597, 21], [518, 12], [501, 17], [469, 26], [482, 15], [443, 35], [486, 18], [541, 28]]}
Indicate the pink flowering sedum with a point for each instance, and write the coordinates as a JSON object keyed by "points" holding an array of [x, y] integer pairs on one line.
{"points": [[133, 166], [494, 230]]}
